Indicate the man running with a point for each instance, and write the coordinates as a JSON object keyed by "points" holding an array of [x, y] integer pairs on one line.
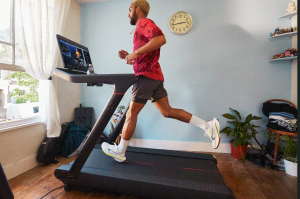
{"points": [[148, 39]]}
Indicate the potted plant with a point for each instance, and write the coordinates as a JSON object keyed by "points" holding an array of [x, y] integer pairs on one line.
{"points": [[119, 113], [241, 133], [290, 159]]}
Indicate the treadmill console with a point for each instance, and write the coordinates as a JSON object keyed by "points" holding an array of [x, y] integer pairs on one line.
{"points": [[74, 56]]}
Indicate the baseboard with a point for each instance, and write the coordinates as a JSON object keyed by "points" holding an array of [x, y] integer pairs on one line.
{"points": [[20, 167], [180, 145]]}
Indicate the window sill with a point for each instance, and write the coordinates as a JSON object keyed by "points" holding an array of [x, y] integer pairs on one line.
{"points": [[9, 126], [12, 67]]}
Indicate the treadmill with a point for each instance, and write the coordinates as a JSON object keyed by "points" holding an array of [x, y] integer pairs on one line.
{"points": [[150, 173]]}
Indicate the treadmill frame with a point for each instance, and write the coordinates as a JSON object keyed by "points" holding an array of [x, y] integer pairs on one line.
{"points": [[122, 82]]}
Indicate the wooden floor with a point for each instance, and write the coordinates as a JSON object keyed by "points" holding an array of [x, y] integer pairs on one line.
{"points": [[245, 180]]}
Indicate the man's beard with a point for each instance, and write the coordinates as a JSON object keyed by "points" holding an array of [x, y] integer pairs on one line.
{"points": [[133, 19]]}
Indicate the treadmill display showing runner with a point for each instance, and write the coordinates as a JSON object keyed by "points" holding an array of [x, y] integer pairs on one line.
{"points": [[74, 57]]}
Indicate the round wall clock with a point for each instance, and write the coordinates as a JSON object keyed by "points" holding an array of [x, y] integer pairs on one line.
{"points": [[180, 23]]}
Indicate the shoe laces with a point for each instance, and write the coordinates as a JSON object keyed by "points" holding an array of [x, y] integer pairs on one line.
{"points": [[114, 148]]}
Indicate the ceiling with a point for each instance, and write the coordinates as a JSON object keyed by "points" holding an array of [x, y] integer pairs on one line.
{"points": [[89, 1]]}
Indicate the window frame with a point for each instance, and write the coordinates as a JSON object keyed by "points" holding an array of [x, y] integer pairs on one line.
{"points": [[30, 121], [12, 66], [8, 126]]}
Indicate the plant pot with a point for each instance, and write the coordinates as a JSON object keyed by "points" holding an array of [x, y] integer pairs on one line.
{"points": [[290, 167], [238, 152]]}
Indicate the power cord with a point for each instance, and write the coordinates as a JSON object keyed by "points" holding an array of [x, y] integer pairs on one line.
{"points": [[52, 190]]}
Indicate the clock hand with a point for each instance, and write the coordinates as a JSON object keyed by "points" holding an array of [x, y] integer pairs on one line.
{"points": [[178, 23]]}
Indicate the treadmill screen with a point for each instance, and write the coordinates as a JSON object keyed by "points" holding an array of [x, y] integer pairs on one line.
{"points": [[74, 57]]}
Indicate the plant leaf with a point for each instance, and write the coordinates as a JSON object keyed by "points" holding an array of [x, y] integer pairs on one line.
{"points": [[226, 129], [229, 116], [256, 118], [234, 143], [231, 134], [248, 118], [243, 158], [237, 113]]}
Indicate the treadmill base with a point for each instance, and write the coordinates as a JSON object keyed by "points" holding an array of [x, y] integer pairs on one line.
{"points": [[151, 173]]}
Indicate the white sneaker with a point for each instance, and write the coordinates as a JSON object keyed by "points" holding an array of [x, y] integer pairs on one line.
{"points": [[113, 151], [213, 132]]}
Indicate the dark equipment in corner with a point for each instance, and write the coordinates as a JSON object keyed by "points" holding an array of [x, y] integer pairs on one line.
{"points": [[150, 173], [84, 116], [5, 191], [264, 157]]}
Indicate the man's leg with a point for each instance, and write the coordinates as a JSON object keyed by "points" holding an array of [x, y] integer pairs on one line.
{"points": [[167, 111], [211, 128], [131, 118], [118, 152]]}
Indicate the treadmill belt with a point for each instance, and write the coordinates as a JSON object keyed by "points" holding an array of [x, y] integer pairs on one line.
{"points": [[183, 168]]}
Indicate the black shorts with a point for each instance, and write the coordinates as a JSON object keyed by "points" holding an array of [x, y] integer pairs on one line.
{"points": [[147, 89]]}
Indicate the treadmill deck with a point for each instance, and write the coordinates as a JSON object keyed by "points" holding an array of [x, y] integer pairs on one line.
{"points": [[152, 173]]}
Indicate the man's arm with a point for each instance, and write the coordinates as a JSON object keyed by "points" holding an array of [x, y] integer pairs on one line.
{"points": [[152, 45]]}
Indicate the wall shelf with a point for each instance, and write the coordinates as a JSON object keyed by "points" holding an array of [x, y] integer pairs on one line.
{"points": [[284, 59], [288, 15], [290, 34]]}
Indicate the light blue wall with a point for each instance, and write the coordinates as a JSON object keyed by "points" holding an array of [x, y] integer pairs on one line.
{"points": [[222, 62]]}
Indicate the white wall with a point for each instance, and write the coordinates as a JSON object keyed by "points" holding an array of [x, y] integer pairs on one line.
{"points": [[294, 65], [19, 147]]}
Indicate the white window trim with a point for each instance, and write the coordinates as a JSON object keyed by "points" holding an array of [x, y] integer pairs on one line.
{"points": [[12, 67], [29, 121], [13, 125]]}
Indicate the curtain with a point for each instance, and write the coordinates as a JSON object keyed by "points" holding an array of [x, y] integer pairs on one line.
{"points": [[41, 20]]}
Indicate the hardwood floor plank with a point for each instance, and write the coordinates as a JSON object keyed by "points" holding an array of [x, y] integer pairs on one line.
{"points": [[23, 184], [71, 195], [43, 186], [233, 181], [246, 180], [38, 172], [254, 181]]}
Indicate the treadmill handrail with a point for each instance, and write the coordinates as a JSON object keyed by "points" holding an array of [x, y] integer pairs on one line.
{"points": [[95, 78]]}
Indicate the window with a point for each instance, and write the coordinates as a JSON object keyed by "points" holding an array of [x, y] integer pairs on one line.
{"points": [[19, 98], [10, 36], [6, 32]]}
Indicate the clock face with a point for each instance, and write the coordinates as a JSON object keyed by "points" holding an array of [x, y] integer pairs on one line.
{"points": [[180, 22]]}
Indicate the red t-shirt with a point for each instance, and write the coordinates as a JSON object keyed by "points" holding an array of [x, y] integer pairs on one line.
{"points": [[147, 64]]}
